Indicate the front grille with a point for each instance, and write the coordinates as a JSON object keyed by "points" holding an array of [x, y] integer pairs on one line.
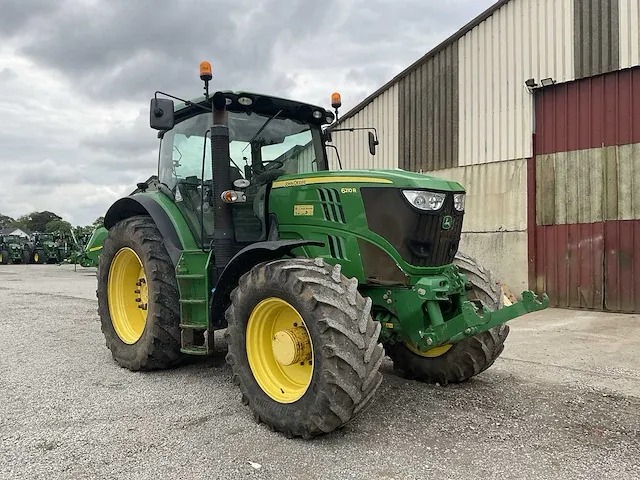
{"points": [[418, 236]]}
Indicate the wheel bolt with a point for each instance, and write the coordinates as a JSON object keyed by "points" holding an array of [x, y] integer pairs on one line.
{"points": [[136, 291], [138, 299]]}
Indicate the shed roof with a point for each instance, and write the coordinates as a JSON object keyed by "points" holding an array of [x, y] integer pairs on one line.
{"points": [[459, 34]]}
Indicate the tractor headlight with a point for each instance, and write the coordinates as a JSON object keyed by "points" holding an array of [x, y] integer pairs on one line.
{"points": [[425, 200], [458, 201]]}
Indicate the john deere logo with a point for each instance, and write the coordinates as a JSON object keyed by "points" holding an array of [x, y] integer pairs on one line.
{"points": [[447, 222]]}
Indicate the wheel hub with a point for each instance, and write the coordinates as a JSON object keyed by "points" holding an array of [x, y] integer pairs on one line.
{"points": [[128, 295], [279, 350], [291, 346]]}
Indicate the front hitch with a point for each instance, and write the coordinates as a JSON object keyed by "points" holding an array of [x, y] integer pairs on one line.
{"points": [[474, 320]]}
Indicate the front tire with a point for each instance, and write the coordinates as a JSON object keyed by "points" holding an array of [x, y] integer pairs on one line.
{"points": [[138, 298], [309, 379], [4, 257], [465, 359]]}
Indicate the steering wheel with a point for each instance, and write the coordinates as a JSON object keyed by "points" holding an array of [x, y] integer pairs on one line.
{"points": [[279, 163]]}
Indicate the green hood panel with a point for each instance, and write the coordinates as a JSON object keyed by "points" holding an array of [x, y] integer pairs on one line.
{"points": [[396, 178]]}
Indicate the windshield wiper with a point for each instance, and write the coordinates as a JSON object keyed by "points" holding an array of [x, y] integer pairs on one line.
{"points": [[261, 129]]}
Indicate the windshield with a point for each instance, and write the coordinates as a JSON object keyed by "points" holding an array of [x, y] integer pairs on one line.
{"points": [[296, 147]]}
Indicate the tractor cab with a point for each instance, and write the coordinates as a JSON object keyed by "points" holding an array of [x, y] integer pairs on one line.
{"points": [[267, 137]]}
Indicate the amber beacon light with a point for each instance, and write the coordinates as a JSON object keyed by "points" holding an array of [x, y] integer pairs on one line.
{"points": [[205, 71]]}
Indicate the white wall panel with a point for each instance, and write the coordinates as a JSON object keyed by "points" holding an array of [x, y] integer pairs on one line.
{"points": [[496, 195], [629, 33], [522, 39], [381, 113]]}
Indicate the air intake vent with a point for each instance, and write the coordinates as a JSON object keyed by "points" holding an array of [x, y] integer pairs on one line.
{"points": [[331, 205], [337, 247]]}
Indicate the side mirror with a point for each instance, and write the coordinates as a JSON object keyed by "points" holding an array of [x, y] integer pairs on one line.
{"points": [[161, 114], [327, 136], [372, 143]]}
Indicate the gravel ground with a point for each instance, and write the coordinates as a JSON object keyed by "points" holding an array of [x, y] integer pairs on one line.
{"points": [[562, 402]]}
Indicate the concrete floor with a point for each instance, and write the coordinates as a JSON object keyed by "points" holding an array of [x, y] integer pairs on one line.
{"points": [[563, 401]]}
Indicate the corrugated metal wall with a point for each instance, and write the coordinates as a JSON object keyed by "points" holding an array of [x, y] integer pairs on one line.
{"points": [[382, 114], [495, 221], [523, 39], [428, 113], [597, 37], [606, 106], [629, 33], [587, 200]]}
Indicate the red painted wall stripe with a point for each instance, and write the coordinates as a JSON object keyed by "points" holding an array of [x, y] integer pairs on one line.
{"points": [[589, 113], [590, 265], [569, 264], [622, 266]]}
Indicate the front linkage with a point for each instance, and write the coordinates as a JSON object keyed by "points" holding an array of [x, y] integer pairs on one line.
{"points": [[436, 310]]}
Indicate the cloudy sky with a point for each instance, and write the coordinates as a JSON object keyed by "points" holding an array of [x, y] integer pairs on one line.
{"points": [[76, 77]]}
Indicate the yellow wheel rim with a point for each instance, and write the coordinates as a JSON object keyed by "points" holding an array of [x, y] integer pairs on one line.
{"points": [[36, 257], [434, 352], [0, 257], [279, 350], [128, 295]]}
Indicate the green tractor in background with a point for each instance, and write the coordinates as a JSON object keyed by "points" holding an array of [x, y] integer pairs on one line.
{"points": [[44, 248], [13, 249], [314, 274]]}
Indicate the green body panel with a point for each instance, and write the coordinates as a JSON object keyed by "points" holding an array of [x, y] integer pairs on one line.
{"points": [[297, 221], [89, 255], [187, 239]]}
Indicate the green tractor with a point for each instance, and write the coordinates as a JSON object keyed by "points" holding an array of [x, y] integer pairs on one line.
{"points": [[314, 274], [13, 249], [45, 248]]}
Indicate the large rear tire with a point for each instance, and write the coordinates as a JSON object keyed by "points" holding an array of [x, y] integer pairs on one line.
{"points": [[134, 272], [4, 257], [458, 362], [309, 379]]}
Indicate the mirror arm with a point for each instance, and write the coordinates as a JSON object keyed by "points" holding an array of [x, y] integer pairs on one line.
{"points": [[337, 155], [186, 102]]}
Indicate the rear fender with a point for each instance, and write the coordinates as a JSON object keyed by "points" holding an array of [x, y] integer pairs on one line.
{"points": [[241, 263], [145, 205]]}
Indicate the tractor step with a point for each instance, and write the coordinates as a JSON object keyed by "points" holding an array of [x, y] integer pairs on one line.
{"points": [[193, 283], [193, 327]]}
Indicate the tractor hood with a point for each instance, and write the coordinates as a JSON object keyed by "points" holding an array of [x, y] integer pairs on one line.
{"points": [[397, 178]]}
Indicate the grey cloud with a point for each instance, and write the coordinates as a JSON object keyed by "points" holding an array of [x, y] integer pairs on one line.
{"points": [[136, 139], [18, 14], [7, 74], [124, 49]]}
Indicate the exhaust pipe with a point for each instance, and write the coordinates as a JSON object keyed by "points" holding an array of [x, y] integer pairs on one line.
{"points": [[223, 239]]}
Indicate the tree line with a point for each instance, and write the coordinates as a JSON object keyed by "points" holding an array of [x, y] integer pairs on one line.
{"points": [[47, 222]]}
